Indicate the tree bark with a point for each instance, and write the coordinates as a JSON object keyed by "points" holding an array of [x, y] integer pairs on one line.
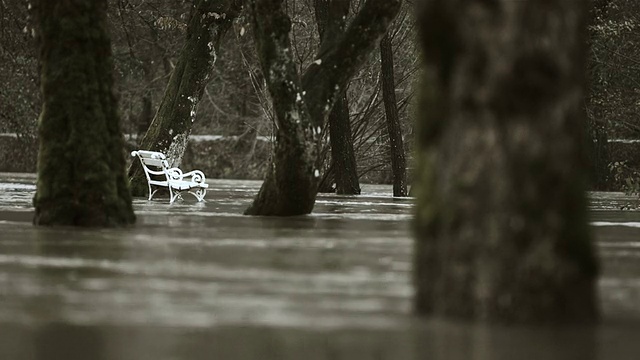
{"points": [[345, 168], [501, 222], [171, 126], [396, 144], [331, 17], [81, 160], [301, 106], [292, 172]]}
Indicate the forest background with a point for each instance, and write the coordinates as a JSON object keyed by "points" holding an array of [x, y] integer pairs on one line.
{"points": [[147, 36]]}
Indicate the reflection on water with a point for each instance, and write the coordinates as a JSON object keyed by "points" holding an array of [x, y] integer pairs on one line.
{"points": [[201, 281]]}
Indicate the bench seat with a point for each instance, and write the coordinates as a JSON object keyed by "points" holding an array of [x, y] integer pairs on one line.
{"points": [[182, 184]]}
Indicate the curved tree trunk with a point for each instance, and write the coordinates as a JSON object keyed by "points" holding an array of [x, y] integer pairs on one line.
{"points": [[396, 145], [331, 16], [81, 164], [171, 126], [293, 172], [302, 106], [501, 223]]}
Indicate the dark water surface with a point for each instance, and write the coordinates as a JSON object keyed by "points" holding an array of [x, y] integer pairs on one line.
{"points": [[201, 281]]}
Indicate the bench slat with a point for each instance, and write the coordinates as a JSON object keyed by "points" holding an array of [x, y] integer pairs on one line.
{"points": [[152, 162]]}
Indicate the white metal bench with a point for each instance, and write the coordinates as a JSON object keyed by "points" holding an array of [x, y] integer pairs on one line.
{"points": [[160, 175]]}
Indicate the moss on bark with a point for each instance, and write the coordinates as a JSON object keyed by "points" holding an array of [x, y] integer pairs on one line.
{"points": [[501, 222], [81, 164]]}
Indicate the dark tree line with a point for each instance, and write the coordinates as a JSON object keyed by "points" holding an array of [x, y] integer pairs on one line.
{"points": [[613, 99], [148, 37]]}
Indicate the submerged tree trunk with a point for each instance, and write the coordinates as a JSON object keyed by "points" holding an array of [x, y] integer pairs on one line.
{"points": [[81, 163], [331, 16], [292, 172], [396, 145], [345, 169], [171, 126], [301, 106], [599, 148], [501, 223]]}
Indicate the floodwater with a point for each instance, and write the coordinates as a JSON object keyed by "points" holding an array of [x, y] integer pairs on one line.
{"points": [[201, 281]]}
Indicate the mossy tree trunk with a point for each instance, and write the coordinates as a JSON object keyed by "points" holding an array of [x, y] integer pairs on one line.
{"points": [[331, 16], [171, 126], [394, 129], [301, 105], [501, 221], [81, 163]]}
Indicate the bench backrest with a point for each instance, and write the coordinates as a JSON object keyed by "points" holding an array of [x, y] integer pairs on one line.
{"points": [[154, 164]]}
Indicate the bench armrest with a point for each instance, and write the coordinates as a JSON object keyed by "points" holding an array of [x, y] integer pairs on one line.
{"points": [[196, 176], [174, 174]]}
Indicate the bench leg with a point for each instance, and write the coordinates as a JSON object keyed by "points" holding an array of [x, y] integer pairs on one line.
{"points": [[150, 192], [173, 195], [199, 194]]}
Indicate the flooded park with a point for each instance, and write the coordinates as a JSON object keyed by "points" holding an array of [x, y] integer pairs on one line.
{"points": [[201, 281]]}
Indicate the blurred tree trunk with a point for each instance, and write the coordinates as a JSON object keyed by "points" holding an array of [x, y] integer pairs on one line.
{"points": [[301, 106], [171, 126], [331, 16], [81, 164], [501, 223], [396, 145]]}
